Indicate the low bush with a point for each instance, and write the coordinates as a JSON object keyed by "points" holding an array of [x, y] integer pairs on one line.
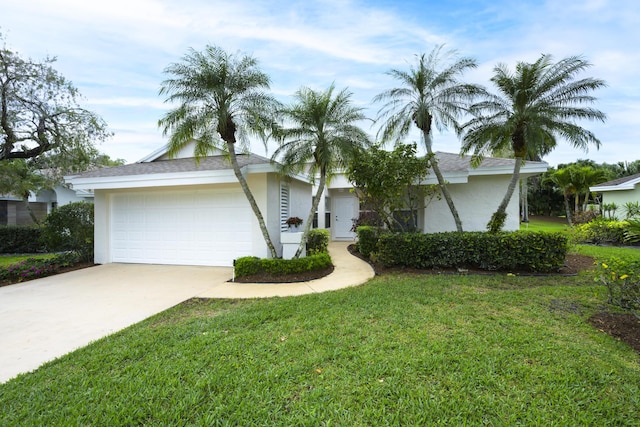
{"points": [[249, 266], [20, 240], [621, 276], [600, 231], [505, 251], [70, 228], [317, 241], [33, 268]]}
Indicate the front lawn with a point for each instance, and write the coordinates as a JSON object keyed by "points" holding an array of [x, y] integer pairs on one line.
{"points": [[546, 223], [399, 350]]}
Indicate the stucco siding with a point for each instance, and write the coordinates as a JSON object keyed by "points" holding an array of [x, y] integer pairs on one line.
{"points": [[621, 197], [475, 201]]}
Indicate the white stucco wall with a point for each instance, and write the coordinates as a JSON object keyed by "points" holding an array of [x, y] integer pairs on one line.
{"points": [[621, 197], [475, 201], [101, 220]]}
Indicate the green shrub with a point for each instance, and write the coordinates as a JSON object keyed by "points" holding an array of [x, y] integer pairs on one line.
{"points": [[504, 251], [20, 240], [600, 231], [248, 266], [70, 228], [621, 276], [632, 232], [368, 239], [33, 268], [317, 241]]}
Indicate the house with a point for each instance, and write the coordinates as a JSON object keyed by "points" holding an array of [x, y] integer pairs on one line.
{"points": [[476, 193], [13, 210], [163, 210], [619, 192]]}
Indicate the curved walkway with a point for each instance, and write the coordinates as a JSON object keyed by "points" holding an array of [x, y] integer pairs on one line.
{"points": [[348, 271], [46, 318]]}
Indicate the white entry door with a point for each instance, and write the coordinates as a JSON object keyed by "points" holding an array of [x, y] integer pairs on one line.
{"points": [[344, 211]]}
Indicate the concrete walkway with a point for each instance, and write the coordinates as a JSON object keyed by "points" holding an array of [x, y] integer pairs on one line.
{"points": [[46, 318]]}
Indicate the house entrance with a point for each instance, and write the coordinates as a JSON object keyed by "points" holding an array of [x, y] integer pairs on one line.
{"points": [[344, 208]]}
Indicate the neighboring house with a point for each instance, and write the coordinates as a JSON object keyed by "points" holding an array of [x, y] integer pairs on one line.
{"points": [[476, 193], [619, 191], [164, 210], [14, 212]]}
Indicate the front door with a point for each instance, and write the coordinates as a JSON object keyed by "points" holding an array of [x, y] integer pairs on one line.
{"points": [[344, 212]]}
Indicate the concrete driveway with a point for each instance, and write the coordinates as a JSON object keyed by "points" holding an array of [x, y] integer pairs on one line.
{"points": [[46, 318], [49, 317]]}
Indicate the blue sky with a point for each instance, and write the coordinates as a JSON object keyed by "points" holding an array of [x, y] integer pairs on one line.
{"points": [[115, 52]]}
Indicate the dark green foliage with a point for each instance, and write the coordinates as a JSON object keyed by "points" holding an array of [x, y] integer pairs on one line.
{"points": [[506, 251], [389, 182], [34, 268], [317, 241], [20, 240], [70, 228], [248, 266], [632, 232], [497, 221], [368, 239]]}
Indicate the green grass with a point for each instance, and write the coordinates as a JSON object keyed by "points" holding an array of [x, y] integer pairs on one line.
{"points": [[604, 252], [542, 223], [6, 260], [399, 350]]}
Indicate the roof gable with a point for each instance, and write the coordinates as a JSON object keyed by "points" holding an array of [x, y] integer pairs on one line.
{"points": [[625, 183]]}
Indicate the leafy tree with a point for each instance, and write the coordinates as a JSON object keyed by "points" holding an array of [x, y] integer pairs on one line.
{"points": [[563, 179], [538, 103], [431, 95], [70, 228], [40, 111], [19, 179], [320, 137], [221, 101], [391, 181]]}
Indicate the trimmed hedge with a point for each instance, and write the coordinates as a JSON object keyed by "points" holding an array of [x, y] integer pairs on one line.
{"points": [[20, 240], [601, 231], [317, 241], [368, 238], [506, 251], [249, 266]]}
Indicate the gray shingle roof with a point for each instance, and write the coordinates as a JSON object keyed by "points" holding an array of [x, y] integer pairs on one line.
{"points": [[618, 181], [450, 162], [175, 166]]}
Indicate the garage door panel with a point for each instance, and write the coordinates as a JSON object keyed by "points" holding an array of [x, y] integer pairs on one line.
{"points": [[195, 227]]}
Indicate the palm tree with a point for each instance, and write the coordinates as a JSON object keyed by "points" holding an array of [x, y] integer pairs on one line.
{"points": [[537, 104], [222, 101], [430, 94], [319, 137]]}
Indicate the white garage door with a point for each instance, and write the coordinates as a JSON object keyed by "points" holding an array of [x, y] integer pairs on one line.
{"points": [[195, 227]]}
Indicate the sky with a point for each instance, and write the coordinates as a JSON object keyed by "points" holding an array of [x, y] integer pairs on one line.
{"points": [[116, 52]]}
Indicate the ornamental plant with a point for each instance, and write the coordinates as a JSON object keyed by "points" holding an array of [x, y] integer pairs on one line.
{"points": [[294, 221], [621, 276]]}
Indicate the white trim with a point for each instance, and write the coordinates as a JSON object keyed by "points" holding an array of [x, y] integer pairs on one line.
{"points": [[629, 185]]}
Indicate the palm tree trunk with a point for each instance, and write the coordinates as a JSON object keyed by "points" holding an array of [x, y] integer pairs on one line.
{"points": [[524, 196], [442, 182], [251, 199], [496, 223], [567, 208], [314, 208]]}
